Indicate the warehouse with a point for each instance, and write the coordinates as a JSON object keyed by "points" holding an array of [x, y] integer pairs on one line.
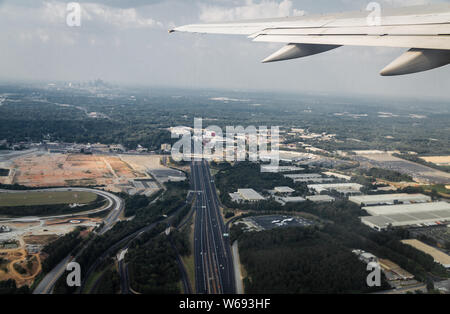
{"points": [[284, 190], [303, 176], [344, 188], [389, 199], [285, 200], [278, 169], [320, 198], [419, 215], [406, 208], [250, 195]]}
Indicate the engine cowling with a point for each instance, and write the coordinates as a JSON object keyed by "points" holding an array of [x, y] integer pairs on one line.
{"points": [[294, 51], [417, 60]]}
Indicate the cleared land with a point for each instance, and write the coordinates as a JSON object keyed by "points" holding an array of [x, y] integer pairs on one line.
{"points": [[438, 160], [420, 173], [45, 198], [143, 163], [439, 257], [17, 261], [43, 169]]}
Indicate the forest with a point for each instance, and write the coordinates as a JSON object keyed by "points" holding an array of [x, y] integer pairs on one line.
{"points": [[153, 268], [342, 232], [132, 116], [299, 261], [59, 249]]}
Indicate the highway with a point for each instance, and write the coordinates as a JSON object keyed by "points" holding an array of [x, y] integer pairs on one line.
{"points": [[212, 252], [125, 243]]}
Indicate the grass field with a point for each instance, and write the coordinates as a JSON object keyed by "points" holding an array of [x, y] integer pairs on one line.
{"points": [[45, 198]]}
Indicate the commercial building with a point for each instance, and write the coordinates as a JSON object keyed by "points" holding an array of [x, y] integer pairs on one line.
{"points": [[246, 195], [320, 198], [343, 188], [406, 208], [338, 175], [284, 190], [303, 176], [279, 169], [393, 271], [309, 177], [439, 256], [389, 199], [297, 199], [420, 215]]}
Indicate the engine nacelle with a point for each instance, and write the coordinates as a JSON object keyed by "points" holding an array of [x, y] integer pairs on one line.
{"points": [[294, 51], [417, 60]]}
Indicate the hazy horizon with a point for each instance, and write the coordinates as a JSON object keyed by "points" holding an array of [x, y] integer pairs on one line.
{"points": [[126, 42]]}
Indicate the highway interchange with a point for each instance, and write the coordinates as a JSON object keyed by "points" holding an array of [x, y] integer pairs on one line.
{"points": [[212, 251], [116, 206]]}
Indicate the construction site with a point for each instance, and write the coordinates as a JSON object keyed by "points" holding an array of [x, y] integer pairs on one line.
{"points": [[132, 174]]}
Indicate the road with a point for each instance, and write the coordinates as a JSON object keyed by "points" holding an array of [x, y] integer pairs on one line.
{"points": [[116, 207], [125, 243], [113, 205], [213, 260]]}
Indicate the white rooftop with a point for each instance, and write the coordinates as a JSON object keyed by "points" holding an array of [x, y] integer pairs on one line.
{"points": [[292, 199], [389, 199], [250, 195], [320, 198], [406, 208], [284, 189]]}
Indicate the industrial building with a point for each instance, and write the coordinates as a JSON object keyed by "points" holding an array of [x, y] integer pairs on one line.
{"points": [[284, 190], [278, 169], [426, 214], [246, 195], [320, 198], [406, 208], [389, 199], [285, 200], [304, 176], [309, 177], [439, 256], [338, 175], [344, 188]]}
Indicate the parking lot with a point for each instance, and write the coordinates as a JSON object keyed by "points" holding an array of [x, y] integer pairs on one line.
{"points": [[261, 223]]}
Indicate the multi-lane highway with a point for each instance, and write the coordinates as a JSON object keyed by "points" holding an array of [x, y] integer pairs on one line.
{"points": [[213, 259]]}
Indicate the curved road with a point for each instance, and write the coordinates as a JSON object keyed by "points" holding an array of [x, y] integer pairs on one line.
{"points": [[116, 206]]}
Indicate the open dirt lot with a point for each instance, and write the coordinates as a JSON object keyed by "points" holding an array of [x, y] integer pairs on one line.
{"points": [[19, 259], [143, 163], [420, 173], [42, 169], [438, 160]]}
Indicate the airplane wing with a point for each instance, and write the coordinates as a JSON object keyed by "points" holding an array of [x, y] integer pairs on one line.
{"points": [[423, 29]]}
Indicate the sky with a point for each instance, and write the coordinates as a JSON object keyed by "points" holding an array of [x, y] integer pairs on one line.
{"points": [[126, 41]]}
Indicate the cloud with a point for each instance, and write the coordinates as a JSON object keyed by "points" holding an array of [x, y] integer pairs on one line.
{"points": [[93, 15], [121, 18], [250, 10]]}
